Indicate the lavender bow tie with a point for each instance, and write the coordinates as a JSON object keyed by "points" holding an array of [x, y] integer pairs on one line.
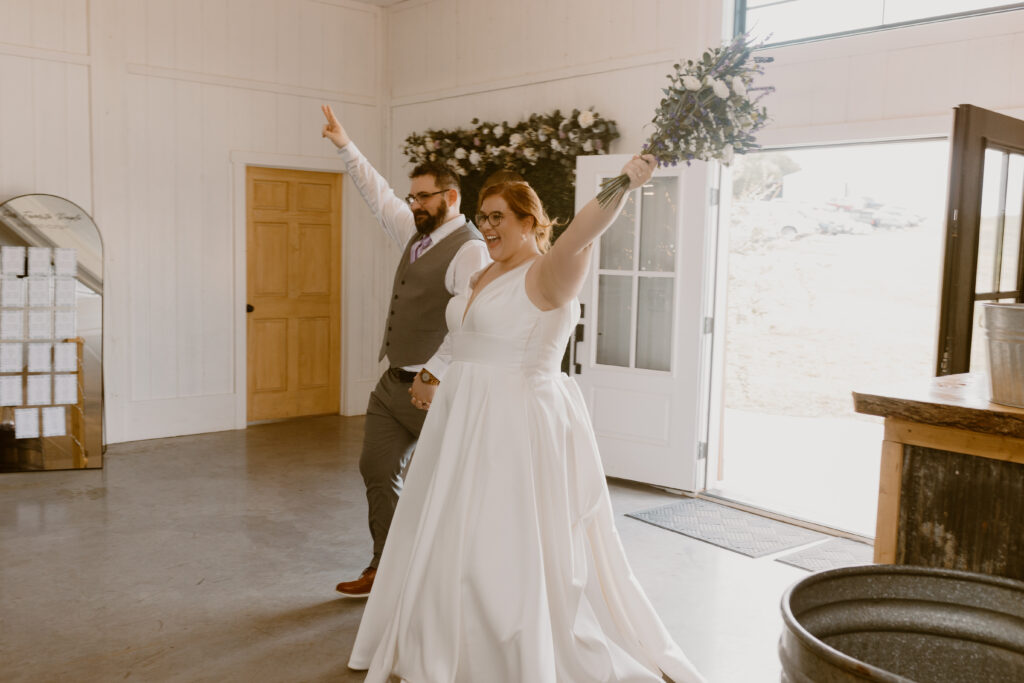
{"points": [[419, 248]]}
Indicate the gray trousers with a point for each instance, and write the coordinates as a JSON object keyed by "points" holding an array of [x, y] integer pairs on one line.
{"points": [[392, 426]]}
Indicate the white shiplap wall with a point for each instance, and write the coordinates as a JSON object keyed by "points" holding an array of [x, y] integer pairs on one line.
{"points": [[145, 112]]}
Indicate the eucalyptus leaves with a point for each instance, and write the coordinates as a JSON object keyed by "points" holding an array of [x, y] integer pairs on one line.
{"points": [[710, 110]]}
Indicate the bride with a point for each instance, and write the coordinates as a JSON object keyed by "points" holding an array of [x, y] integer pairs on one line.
{"points": [[503, 564]]}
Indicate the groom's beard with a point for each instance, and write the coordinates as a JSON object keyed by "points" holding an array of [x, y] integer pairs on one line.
{"points": [[427, 222]]}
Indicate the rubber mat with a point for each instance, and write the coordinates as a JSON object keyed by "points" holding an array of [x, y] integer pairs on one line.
{"points": [[742, 532], [839, 552]]}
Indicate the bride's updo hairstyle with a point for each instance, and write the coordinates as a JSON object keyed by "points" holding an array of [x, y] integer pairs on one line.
{"points": [[523, 202]]}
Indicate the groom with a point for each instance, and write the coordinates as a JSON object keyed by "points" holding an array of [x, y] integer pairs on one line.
{"points": [[441, 251]]}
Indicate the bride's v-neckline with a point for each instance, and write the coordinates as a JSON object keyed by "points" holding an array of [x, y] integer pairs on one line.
{"points": [[475, 294]]}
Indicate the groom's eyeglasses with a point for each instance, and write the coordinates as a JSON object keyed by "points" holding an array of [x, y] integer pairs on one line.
{"points": [[420, 197], [494, 218]]}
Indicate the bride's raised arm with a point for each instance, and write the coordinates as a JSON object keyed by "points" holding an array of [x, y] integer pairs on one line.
{"points": [[559, 274]]}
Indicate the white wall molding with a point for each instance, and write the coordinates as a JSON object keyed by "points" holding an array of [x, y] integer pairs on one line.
{"points": [[247, 84], [610, 66], [45, 54], [160, 418]]}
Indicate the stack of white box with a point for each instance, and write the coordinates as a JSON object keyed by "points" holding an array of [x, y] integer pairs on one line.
{"points": [[38, 370]]}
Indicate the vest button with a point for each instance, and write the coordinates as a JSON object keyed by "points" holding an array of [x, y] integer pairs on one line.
{"points": [[389, 328], [403, 282], [396, 296], [392, 312]]}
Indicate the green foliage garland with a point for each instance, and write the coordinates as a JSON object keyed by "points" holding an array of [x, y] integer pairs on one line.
{"points": [[543, 149]]}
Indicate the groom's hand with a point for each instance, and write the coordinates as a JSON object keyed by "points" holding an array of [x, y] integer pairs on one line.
{"points": [[422, 393], [333, 129]]}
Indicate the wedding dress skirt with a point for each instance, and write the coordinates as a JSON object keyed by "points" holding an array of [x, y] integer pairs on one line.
{"points": [[503, 564]]}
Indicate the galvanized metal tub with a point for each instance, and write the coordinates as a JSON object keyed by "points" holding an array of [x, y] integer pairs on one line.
{"points": [[902, 624], [1004, 327]]}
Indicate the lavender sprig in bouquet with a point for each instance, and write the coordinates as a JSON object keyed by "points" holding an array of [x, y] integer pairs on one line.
{"points": [[710, 111]]}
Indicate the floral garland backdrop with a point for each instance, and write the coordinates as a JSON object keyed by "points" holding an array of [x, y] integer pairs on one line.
{"points": [[543, 149]]}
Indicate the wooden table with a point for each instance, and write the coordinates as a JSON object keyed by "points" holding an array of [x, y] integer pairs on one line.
{"points": [[951, 491]]}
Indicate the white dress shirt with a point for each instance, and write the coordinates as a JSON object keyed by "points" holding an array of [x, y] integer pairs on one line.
{"points": [[395, 217]]}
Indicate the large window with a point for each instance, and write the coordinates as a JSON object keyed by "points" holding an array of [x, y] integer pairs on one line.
{"points": [[790, 20]]}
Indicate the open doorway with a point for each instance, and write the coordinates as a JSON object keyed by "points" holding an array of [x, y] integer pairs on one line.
{"points": [[829, 269]]}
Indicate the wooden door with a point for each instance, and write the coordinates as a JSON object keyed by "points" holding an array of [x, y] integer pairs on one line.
{"points": [[293, 265]]}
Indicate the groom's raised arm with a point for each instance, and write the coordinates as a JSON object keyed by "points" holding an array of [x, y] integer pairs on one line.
{"points": [[393, 214]]}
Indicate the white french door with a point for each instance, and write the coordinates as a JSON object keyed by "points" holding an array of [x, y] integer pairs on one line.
{"points": [[637, 356]]}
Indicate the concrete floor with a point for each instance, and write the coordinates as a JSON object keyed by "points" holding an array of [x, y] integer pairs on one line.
{"points": [[214, 558]]}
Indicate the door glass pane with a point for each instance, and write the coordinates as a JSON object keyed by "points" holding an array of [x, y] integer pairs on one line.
{"points": [[988, 227], [659, 209], [654, 323], [618, 242], [614, 318], [1008, 279], [829, 287]]}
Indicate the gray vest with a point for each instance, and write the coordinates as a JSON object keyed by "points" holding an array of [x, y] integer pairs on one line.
{"points": [[416, 325]]}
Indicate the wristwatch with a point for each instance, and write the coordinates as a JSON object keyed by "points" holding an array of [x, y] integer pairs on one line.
{"points": [[428, 378]]}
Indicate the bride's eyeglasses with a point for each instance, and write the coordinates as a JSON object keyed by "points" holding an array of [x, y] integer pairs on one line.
{"points": [[494, 218]]}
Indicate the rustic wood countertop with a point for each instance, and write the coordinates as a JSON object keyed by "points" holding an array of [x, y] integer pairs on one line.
{"points": [[958, 401]]}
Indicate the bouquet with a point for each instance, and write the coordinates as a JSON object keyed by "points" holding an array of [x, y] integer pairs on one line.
{"points": [[710, 111]]}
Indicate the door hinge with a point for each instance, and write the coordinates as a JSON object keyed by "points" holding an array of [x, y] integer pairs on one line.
{"points": [[709, 325], [702, 450]]}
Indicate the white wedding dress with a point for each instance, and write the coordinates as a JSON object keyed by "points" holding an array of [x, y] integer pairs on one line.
{"points": [[503, 564]]}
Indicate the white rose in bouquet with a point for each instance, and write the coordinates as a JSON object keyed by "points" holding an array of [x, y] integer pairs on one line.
{"points": [[585, 119], [727, 154], [720, 89]]}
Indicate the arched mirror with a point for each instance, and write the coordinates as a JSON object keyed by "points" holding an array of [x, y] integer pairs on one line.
{"points": [[51, 336]]}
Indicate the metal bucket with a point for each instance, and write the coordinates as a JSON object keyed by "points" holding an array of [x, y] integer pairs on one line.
{"points": [[1004, 326], [901, 624]]}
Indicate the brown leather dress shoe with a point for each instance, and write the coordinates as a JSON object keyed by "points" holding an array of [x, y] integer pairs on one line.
{"points": [[359, 588]]}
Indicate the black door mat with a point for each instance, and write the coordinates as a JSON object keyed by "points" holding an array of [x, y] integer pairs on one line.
{"points": [[834, 554], [742, 532]]}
